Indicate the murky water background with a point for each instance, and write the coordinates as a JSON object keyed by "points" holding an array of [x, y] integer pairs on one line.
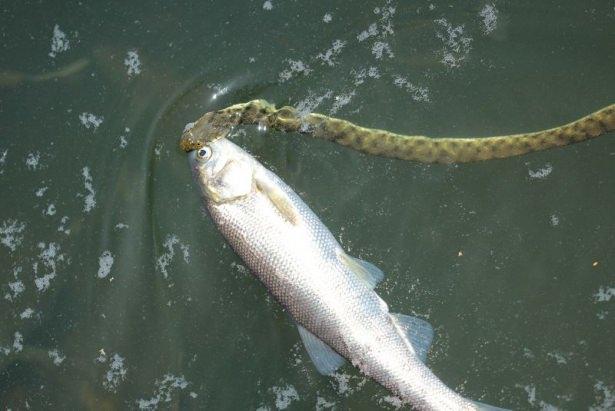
{"points": [[117, 292]]}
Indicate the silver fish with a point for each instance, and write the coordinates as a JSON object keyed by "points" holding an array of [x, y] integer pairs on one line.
{"points": [[328, 293]]}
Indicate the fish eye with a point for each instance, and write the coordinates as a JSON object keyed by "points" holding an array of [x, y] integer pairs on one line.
{"points": [[203, 153]]}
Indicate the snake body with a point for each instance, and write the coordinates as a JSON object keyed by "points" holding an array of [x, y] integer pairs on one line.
{"points": [[217, 124]]}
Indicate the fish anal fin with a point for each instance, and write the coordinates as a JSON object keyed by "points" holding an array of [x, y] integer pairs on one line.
{"points": [[278, 198], [366, 271], [326, 360], [418, 332]]}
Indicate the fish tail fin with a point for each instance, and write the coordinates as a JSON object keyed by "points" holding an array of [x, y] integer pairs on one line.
{"points": [[486, 407]]}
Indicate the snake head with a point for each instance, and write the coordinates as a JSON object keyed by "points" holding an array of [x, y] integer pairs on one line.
{"points": [[208, 128]]}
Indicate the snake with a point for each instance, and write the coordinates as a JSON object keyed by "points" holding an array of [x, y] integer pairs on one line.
{"points": [[218, 124]]}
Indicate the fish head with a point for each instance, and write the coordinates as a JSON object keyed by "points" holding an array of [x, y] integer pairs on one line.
{"points": [[222, 170]]}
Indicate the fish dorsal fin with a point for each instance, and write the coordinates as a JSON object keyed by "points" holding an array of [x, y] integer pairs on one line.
{"points": [[366, 271], [418, 332], [278, 198], [324, 358]]}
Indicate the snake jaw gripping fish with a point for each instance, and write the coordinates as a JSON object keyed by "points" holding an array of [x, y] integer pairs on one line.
{"points": [[218, 124], [328, 293]]}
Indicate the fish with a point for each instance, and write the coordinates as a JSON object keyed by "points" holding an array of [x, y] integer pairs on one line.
{"points": [[328, 293]]}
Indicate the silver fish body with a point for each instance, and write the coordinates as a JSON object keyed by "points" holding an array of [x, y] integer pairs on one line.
{"points": [[328, 293]]}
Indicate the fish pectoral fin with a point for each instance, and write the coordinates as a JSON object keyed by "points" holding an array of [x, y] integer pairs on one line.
{"points": [[278, 198], [418, 332], [326, 360], [366, 271]]}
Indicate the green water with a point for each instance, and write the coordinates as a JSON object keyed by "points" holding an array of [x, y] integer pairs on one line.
{"points": [[116, 291]]}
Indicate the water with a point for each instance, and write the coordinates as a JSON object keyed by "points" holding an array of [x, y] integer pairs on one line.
{"points": [[117, 292]]}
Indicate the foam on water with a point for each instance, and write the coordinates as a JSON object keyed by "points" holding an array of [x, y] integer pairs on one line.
{"points": [[167, 257], [132, 63], [105, 262], [59, 42], [489, 15], [164, 391], [56, 356], [89, 199], [90, 120], [11, 233], [284, 396]]}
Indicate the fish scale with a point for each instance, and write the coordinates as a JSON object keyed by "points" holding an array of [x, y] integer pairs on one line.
{"points": [[328, 293]]}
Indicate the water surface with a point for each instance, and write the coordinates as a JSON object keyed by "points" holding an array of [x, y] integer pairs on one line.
{"points": [[117, 292]]}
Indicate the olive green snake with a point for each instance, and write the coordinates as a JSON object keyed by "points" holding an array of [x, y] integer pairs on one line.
{"points": [[218, 124]]}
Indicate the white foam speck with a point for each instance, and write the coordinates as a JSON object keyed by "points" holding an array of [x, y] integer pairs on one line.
{"points": [[554, 220], [164, 391], [395, 402], [608, 397], [380, 47], [11, 233], [90, 120], [605, 294], [105, 262], [361, 74], [541, 172], [41, 191], [558, 357], [294, 67], [56, 356], [267, 5], [343, 384], [89, 199], [59, 42], [284, 396], [323, 404], [16, 288], [309, 104], [341, 100], [165, 259], [132, 63], [121, 226], [532, 399], [116, 373], [62, 227], [489, 16], [33, 160], [50, 210], [372, 31], [327, 18], [329, 55], [27, 313], [158, 149], [18, 342], [418, 93], [3, 155], [457, 45], [50, 256]]}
